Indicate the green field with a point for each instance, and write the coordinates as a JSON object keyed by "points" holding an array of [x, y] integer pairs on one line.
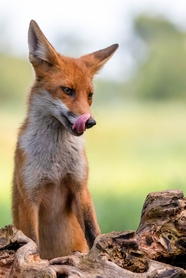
{"points": [[134, 149]]}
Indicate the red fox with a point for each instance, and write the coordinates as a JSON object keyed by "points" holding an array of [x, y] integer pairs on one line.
{"points": [[51, 202]]}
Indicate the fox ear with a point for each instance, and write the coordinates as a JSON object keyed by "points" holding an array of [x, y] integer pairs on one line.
{"points": [[97, 59], [39, 47]]}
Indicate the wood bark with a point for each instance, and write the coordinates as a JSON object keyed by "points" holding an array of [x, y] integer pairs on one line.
{"points": [[156, 249]]}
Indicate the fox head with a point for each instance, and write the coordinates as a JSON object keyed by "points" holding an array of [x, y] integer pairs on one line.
{"points": [[63, 85]]}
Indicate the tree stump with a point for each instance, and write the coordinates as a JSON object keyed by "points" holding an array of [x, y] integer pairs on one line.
{"points": [[156, 249]]}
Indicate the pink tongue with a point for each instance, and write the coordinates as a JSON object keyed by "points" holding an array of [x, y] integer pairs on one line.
{"points": [[79, 125]]}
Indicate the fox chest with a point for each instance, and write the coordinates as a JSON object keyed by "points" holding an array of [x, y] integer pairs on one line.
{"points": [[50, 162]]}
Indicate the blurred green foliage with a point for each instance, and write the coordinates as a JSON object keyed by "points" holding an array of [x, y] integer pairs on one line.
{"points": [[137, 146], [161, 73], [15, 78]]}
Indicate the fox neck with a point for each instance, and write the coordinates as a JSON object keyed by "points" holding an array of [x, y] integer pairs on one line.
{"points": [[43, 124], [46, 130], [51, 150]]}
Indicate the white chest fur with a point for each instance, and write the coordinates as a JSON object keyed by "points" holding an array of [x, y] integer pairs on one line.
{"points": [[51, 153]]}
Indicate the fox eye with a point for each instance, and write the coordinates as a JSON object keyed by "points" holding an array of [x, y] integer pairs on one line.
{"points": [[68, 91], [90, 95]]}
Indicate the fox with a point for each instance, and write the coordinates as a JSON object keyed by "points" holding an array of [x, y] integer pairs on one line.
{"points": [[51, 202]]}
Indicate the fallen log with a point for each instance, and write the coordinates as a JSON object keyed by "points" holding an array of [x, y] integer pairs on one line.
{"points": [[156, 249]]}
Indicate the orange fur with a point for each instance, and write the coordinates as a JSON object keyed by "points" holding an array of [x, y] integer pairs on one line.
{"points": [[50, 201]]}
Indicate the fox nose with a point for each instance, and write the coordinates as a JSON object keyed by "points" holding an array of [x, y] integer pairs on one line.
{"points": [[90, 123]]}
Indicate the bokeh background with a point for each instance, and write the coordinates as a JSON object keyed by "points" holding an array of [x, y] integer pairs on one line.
{"points": [[139, 143]]}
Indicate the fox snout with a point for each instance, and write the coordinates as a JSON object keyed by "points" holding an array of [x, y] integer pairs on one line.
{"points": [[83, 122]]}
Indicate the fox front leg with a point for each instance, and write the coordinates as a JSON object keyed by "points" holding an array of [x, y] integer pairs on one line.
{"points": [[91, 227]]}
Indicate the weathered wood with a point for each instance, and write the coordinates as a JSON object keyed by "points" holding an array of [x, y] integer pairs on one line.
{"points": [[156, 249], [162, 231]]}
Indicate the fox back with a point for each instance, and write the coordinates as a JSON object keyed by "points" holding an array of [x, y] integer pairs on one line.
{"points": [[51, 202]]}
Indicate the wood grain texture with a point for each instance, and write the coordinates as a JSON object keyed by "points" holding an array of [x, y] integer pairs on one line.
{"points": [[156, 249]]}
